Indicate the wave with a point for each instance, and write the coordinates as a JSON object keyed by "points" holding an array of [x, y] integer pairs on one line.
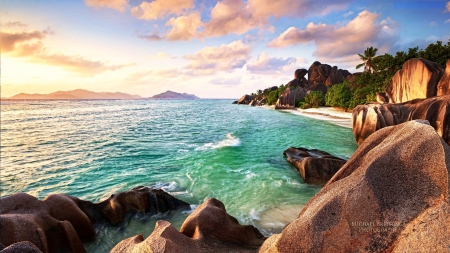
{"points": [[229, 141]]}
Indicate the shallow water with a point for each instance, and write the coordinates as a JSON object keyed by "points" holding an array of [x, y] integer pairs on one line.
{"points": [[192, 149]]}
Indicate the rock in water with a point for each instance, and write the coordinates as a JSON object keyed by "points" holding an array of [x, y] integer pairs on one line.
{"points": [[369, 118], [60, 223], [391, 196], [418, 78], [443, 87], [246, 99], [208, 229], [315, 166]]}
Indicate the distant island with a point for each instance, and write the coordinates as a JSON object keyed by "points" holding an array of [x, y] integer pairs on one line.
{"points": [[77, 94], [174, 95]]}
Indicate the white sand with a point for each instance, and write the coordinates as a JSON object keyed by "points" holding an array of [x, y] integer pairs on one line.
{"points": [[329, 114]]}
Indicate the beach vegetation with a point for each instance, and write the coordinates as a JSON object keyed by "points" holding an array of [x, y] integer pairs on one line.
{"points": [[315, 99]]}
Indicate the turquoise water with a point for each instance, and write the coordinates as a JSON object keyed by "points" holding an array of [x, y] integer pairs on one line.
{"points": [[192, 149]]}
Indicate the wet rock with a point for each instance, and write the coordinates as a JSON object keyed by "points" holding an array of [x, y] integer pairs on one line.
{"points": [[418, 78], [315, 166], [391, 196], [139, 199], [371, 117], [60, 223], [208, 229]]}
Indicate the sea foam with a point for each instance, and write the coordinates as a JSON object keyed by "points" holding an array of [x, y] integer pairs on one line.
{"points": [[229, 141]]}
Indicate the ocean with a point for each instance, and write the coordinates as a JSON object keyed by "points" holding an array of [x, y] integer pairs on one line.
{"points": [[193, 149]]}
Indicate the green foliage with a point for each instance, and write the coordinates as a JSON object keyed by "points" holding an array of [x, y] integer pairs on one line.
{"points": [[367, 58], [315, 99], [299, 103], [338, 95], [272, 97]]}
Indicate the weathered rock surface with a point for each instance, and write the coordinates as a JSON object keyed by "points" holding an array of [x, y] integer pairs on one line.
{"points": [[351, 77], [288, 98], [336, 76], [318, 87], [315, 166], [246, 99], [20, 247], [382, 97], [391, 196], [418, 78], [443, 87], [60, 223], [318, 73], [140, 199], [208, 229], [371, 117]]}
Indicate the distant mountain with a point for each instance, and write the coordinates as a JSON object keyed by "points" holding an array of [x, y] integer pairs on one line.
{"points": [[77, 94], [174, 95]]}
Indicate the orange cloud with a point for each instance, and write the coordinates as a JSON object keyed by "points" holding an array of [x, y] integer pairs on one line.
{"points": [[162, 55], [225, 58], [23, 43], [232, 16], [334, 41], [184, 27], [448, 6], [29, 44], [119, 5], [160, 8]]}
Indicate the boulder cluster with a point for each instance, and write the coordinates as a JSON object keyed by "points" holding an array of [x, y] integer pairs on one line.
{"points": [[60, 223], [320, 78], [420, 90]]}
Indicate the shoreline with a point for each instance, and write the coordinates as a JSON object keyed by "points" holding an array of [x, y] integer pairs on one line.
{"points": [[329, 114]]}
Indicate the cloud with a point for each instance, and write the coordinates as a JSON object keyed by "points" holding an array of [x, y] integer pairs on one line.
{"points": [[184, 27], [229, 81], [231, 16], [150, 37], [119, 5], [335, 41], [29, 44], [295, 8], [225, 58], [161, 8], [22, 43], [447, 21], [348, 14], [448, 6], [14, 24], [266, 65], [433, 24], [162, 55]]}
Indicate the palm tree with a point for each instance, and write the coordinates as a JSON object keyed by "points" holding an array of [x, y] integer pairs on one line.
{"points": [[369, 55]]}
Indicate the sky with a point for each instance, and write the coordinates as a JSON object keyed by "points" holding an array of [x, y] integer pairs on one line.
{"points": [[213, 49]]}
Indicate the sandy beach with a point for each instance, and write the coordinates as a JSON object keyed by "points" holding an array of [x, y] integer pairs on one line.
{"points": [[329, 114]]}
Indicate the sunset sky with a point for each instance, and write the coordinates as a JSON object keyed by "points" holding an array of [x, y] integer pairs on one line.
{"points": [[213, 49]]}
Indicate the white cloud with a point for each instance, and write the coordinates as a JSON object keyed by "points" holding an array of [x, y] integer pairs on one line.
{"points": [[162, 55], [348, 14], [266, 65], [119, 5], [227, 81], [225, 58], [447, 21], [335, 41], [161, 8]]}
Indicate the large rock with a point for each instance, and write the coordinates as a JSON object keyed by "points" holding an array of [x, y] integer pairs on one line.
{"points": [[267, 90], [208, 229], [371, 117], [418, 78], [139, 199], [443, 87], [315, 166], [391, 196], [246, 99], [336, 76], [288, 98], [20, 247], [318, 73], [60, 223]]}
